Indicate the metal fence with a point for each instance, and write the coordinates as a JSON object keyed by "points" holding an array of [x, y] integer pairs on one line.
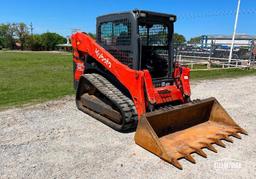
{"points": [[206, 63], [214, 57]]}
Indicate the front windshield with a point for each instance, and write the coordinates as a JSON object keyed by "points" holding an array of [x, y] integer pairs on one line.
{"points": [[154, 34], [154, 48]]}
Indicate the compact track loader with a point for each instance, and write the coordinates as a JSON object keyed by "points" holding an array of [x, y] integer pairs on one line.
{"points": [[127, 78]]}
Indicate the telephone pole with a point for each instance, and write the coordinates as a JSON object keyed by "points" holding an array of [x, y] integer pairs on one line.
{"points": [[234, 33], [31, 28]]}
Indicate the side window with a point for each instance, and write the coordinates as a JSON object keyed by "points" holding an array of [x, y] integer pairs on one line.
{"points": [[115, 33], [106, 33], [122, 33]]}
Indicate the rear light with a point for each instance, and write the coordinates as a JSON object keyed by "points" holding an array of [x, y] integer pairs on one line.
{"points": [[142, 14], [172, 18]]}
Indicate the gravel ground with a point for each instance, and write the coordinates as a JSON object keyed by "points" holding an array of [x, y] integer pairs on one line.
{"points": [[55, 140]]}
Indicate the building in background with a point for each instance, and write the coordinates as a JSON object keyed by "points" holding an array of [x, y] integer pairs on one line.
{"points": [[65, 47], [218, 46], [226, 40]]}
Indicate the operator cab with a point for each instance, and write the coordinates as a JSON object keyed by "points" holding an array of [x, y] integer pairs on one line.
{"points": [[155, 32], [141, 40]]}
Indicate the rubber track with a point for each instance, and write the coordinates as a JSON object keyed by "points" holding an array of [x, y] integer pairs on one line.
{"points": [[129, 112]]}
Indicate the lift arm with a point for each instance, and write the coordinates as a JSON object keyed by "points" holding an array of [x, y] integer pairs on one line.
{"points": [[131, 79]]}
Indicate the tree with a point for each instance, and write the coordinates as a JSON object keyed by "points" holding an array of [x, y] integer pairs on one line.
{"points": [[178, 38], [7, 35], [92, 35], [195, 39], [3, 33], [19, 32], [49, 40], [34, 42], [22, 33]]}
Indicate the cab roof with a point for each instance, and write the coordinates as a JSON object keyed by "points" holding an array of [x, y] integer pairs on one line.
{"points": [[138, 12]]}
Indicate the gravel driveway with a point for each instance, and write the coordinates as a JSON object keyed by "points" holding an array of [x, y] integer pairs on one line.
{"points": [[55, 140]]}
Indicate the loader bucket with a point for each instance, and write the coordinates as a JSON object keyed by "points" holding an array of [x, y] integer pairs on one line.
{"points": [[176, 132]]}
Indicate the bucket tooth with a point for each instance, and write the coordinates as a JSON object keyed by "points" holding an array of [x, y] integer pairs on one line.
{"points": [[228, 139], [230, 130], [225, 137], [242, 131], [200, 152], [236, 135], [209, 146], [189, 158], [218, 142], [176, 164]]}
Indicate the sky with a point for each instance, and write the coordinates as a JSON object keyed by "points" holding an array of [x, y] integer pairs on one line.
{"points": [[194, 17]]}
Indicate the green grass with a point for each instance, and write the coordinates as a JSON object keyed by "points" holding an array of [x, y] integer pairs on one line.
{"points": [[198, 66], [204, 66], [221, 73], [34, 77]]}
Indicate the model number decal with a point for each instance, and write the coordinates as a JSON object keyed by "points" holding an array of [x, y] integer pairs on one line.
{"points": [[102, 58], [185, 77]]}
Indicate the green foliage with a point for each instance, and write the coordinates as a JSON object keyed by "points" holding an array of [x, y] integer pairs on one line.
{"points": [[195, 40], [49, 40], [7, 33], [19, 32], [1, 42], [3, 33], [178, 38], [36, 42], [22, 32], [33, 42], [92, 35]]}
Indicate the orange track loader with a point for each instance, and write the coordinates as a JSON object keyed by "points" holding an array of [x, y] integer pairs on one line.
{"points": [[128, 79]]}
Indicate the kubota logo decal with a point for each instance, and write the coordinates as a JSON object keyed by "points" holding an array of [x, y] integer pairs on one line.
{"points": [[102, 58]]}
